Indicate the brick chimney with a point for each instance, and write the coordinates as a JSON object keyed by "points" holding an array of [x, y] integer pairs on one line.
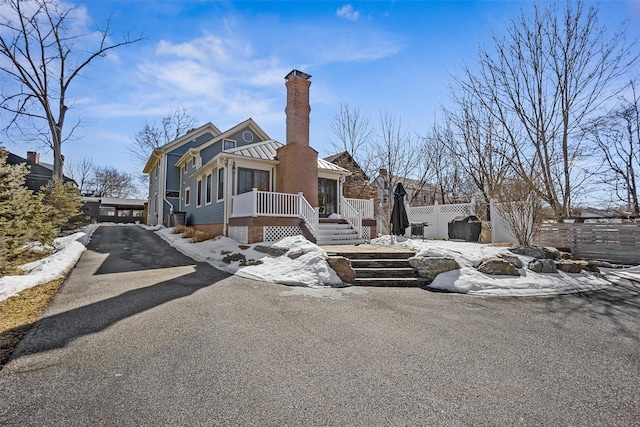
{"points": [[33, 157], [298, 167]]}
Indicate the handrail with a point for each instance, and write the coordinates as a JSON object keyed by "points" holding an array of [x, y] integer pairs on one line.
{"points": [[309, 214], [364, 205], [267, 203], [353, 216]]}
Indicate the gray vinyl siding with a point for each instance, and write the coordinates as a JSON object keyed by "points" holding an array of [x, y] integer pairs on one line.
{"points": [[173, 172], [205, 214]]}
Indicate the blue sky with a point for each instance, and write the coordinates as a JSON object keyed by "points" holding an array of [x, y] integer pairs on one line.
{"points": [[226, 61]]}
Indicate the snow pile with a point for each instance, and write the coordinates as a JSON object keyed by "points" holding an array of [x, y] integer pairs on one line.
{"points": [[469, 280], [67, 251], [304, 263]]}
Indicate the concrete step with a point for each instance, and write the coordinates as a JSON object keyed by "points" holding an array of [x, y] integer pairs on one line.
{"points": [[385, 272], [331, 225], [324, 241]]}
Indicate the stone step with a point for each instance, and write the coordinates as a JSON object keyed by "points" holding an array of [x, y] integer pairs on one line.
{"points": [[385, 272], [373, 255], [380, 263], [405, 282]]}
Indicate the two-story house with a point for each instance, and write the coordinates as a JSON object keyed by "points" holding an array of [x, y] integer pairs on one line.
{"points": [[242, 184]]}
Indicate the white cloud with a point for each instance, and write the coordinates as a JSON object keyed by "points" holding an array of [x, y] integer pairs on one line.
{"points": [[347, 12]]}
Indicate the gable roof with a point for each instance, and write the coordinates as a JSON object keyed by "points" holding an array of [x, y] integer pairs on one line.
{"points": [[157, 153], [40, 174], [333, 158], [195, 151]]}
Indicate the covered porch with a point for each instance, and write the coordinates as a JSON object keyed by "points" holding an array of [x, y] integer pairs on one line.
{"points": [[268, 216]]}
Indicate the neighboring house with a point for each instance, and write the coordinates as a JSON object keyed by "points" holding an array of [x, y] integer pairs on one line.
{"points": [[243, 184], [111, 209], [357, 185], [40, 173]]}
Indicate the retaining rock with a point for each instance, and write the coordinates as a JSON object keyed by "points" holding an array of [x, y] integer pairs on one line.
{"points": [[430, 267], [499, 267], [543, 266], [342, 267]]}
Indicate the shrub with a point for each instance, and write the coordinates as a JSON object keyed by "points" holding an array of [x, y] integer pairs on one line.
{"points": [[64, 206], [179, 229], [23, 216], [189, 233], [202, 235]]}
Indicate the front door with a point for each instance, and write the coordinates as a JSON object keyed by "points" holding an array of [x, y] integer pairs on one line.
{"points": [[327, 196]]}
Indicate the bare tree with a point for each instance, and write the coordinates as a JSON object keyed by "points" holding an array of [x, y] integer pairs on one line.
{"points": [[399, 157], [451, 182], [542, 82], [109, 182], [43, 53], [480, 145], [81, 172], [152, 136], [353, 133], [617, 135]]}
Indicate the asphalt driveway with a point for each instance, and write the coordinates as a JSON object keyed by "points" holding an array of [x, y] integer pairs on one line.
{"points": [[141, 335]]}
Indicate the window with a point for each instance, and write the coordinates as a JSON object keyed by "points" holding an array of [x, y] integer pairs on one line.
{"points": [[199, 193], [184, 170], [187, 196], [155, 171], [193, 163], [107, 211], [172, 194], [155, 203], [228, 144], [220, 184], [252, 178], [209, 189]]}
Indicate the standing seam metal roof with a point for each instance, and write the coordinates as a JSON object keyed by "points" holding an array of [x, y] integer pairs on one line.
{"points": [[267, 150]]}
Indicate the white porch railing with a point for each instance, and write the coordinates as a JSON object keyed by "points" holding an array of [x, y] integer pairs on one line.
{"points": [[266, 203], [351, 215], [363, 205]]}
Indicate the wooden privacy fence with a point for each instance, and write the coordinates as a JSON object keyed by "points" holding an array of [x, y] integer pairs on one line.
{"points": [[618, 243]]}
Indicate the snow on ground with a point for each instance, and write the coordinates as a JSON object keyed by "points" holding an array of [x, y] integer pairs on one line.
{"points": [[304, 263], [309, 267], [67, 251], [469, 280]]}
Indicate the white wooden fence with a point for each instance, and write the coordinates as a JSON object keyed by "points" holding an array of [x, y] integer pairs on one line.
{"points": [[437, 217], [618, 243]]}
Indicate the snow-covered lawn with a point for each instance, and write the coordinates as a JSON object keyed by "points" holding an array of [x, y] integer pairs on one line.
{"points": [[304, 263]]}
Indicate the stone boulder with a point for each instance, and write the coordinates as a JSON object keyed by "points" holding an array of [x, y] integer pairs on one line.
{"points": [[270, 250], [499, 267], [588, 266], [430, 267], [342, 267], [569, 266], [537, 252], [543, 266], [517, 263]]}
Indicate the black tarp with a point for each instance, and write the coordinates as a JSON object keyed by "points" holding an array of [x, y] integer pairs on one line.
{"points": [[399, 219]]}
